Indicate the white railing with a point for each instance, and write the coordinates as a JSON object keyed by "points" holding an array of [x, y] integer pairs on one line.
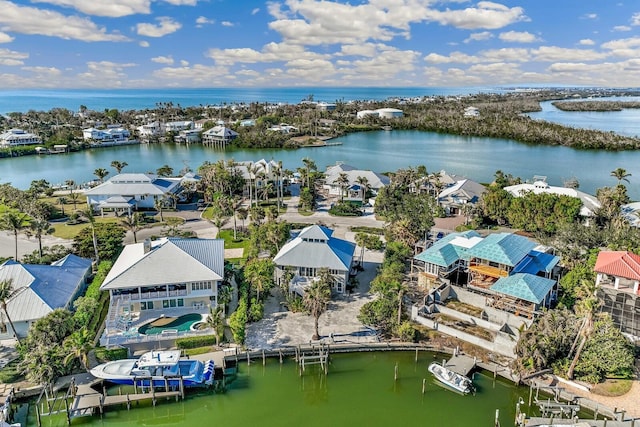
{"points": [[115, 340]]}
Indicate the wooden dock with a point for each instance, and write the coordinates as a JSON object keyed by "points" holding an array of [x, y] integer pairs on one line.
{"points": [[461, 364]]}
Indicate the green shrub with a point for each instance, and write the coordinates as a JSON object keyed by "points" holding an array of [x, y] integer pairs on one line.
{"points": [[238, 321], [195, 342], [406, 332], [345, 209], [105, 355], [256, 312], [370, 230]]}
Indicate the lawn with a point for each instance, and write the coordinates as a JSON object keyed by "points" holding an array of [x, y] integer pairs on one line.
{"points": [[229, 243], [65, 231]]}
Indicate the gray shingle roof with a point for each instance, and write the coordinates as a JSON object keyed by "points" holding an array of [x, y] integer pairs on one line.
{"points": [[170, 260]]}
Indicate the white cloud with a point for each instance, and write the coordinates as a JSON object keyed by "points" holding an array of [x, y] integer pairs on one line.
{"points": [[182, 2], [518, 37], [5, 38], [625, 48], [555, 53], [622, 28], [12, 57], [483, 56], [590, 16], [184, 63], [635, 19], [168, 60], [227, 24], [31, 20], [104, 73], [271, 52], [487, 15], [111, 8], [165, 26], [144, 43], [475, 37], [255, 11], [48, 71], [196, 75], [586, 42], [203, 20]]}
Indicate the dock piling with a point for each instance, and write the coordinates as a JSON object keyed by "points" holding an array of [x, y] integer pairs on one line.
{"points": [[395, 372], [424, 384]]}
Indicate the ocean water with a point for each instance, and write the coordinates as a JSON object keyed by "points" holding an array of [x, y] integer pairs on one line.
{"points": [[135, 99]]}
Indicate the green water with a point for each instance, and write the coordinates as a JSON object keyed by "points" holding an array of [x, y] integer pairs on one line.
{"points": [[359, 390], [181, 324]]}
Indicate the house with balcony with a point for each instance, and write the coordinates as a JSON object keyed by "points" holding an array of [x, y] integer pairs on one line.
{"points": [[16, 137], [109, 135], [618, 288], [356, 179], [462, 193], [444, 259], [40, 289], [169, 277], [312, 249], [218, 136], [128, 192]]}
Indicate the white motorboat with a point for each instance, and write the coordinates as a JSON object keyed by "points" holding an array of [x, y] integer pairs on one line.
{"points": [[157, 368], [451, 379]]}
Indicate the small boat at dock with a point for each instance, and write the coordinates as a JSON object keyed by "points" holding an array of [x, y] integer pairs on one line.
{"points": [[450, 378], [157, 368]]}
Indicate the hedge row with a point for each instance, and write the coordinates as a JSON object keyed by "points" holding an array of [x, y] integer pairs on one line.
{"points": [[195, 342]]}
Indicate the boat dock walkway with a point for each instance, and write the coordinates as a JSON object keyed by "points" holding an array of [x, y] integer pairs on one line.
{"points": [[544, 422], [461, 364]]}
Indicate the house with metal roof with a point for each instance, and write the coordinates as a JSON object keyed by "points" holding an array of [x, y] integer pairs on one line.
{"points": [[218, 136], [127, 192], [355, 177], [445, 257], [522, 293], [454, 197], [618, 288], [40, 289], [169, 277], [310, 250]]}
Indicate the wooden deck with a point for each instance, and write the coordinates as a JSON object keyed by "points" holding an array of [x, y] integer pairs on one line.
{"points": [[461, 364]]}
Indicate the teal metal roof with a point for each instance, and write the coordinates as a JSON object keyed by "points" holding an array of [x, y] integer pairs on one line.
{"points": [[524, 286], [443, 252], [503, 248]]}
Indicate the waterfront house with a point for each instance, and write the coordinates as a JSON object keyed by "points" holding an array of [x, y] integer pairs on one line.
{"points": [[308, 251], [219, 136], [168, 277], [354, 187], [16, 137], [283, 128], [177, 126], [128, 192], [454, 197], [40, 289], [618, 288], [590, 204], [188, 136], [150, 130], [383, 113], [512, 272], [110, 135], [258, 174]]}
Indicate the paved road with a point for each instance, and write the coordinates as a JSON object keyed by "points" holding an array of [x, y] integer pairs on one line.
{"points": [[25, 244]]}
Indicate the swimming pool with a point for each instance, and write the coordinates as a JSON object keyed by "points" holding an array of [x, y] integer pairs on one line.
{"points": [[178, 324]]}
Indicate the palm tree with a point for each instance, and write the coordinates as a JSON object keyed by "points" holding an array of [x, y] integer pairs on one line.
{"points": [[6, 292], [37, 227], [118, 165], [78, 345], [216, 322], [158, 204], [88, 215], [343, 181], [15, 222], [242, 215], [101, 173], [363, 182], [309, 165], [132, 223], [74, 199], [621, 175], [317, 297], [62, 201], [253, 174], [586, 307]]}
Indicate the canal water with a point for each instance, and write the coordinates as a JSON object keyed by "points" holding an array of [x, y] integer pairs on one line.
{"points": [[359, 390], [475, 157]]}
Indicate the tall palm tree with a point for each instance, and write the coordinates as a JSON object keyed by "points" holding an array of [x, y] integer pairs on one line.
{"points": [[62, 201], [118, 165], [309, 166], [101, 173], [37, 227], [586, 307], [158, 204], [6, 292], [317, 297], [343, 182], [133, 224], [243, 214], [78, 345], [14, 222], [363, 182], [216, 322], [621, 175], [253, 175], [88, 215]]}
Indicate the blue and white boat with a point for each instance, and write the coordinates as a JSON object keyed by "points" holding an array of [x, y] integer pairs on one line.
{"points": [[451, 379], [160, 368]]}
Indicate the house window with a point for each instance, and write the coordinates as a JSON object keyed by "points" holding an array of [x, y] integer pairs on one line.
{"points": [[339, 287], [172, 302], [165, 303], [3, 328], [180, 302], [200, 286], [146, 305]]}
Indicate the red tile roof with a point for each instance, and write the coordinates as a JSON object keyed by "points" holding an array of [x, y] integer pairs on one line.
{"points": [[619, 264]]}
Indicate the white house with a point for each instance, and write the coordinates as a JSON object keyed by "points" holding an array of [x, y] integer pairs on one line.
{"points": [[459, 194], [219, 136], [40, 289], [150, 130], [309, 251], [326, 106], [15, 137], [283, 128], [162, 278], [117, 134], [131, 191], [178, 126], [189, 136], [375, 181], [590, 204]]}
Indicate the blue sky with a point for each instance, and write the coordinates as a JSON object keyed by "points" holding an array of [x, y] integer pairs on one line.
{"points": [[245, 43]]}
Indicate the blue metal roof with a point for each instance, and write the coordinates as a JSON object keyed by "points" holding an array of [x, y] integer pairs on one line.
{"points": [[503, 248], [443, 253], [524, 286], [536, 262]]}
